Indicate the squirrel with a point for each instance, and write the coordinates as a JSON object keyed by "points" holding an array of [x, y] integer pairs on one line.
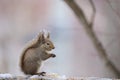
{"points": [[36, 52]]}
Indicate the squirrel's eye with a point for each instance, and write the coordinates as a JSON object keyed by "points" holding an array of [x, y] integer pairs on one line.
{"points": [[48, 44]]}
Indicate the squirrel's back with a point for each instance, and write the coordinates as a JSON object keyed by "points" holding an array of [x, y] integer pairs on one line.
{"points": [[30, 45], [22, 63]]}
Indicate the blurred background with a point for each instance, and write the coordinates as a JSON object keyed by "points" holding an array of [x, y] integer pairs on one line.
{"points": [[21, 21]]}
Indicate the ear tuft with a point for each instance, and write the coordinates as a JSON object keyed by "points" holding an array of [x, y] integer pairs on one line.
{"points": [[42, 37], [48, 35]]}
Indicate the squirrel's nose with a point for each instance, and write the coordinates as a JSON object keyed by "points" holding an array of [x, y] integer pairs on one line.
{"points": [[53, 47]]}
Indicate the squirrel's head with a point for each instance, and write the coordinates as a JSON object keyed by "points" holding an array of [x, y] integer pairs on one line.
{"points": [[46, 43]]}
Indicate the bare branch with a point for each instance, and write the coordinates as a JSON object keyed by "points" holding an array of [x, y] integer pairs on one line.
{"points": [[91, 34], [77, 10]]}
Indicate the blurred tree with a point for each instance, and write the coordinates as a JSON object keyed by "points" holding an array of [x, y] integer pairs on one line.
{"points": [[89, 29]]}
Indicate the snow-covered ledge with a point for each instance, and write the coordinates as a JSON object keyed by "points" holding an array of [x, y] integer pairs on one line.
{"points": [[51, 76]]}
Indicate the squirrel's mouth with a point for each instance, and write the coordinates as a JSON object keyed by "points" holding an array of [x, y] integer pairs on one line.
{"points": [[49, 51]]}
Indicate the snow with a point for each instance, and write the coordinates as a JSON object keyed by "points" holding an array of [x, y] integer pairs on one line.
{"points": [[7, 75], [50, 76], [34, 76]]}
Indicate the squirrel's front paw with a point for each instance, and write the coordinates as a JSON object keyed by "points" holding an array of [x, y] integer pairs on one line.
{"points": [[53, 55]]}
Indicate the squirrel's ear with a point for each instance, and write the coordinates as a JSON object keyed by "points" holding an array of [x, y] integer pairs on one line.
{"points": [[48, 36], [42, 38]]}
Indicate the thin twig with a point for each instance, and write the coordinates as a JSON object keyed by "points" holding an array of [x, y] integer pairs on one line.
{"points": [[94, 13], [116, 12]]}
